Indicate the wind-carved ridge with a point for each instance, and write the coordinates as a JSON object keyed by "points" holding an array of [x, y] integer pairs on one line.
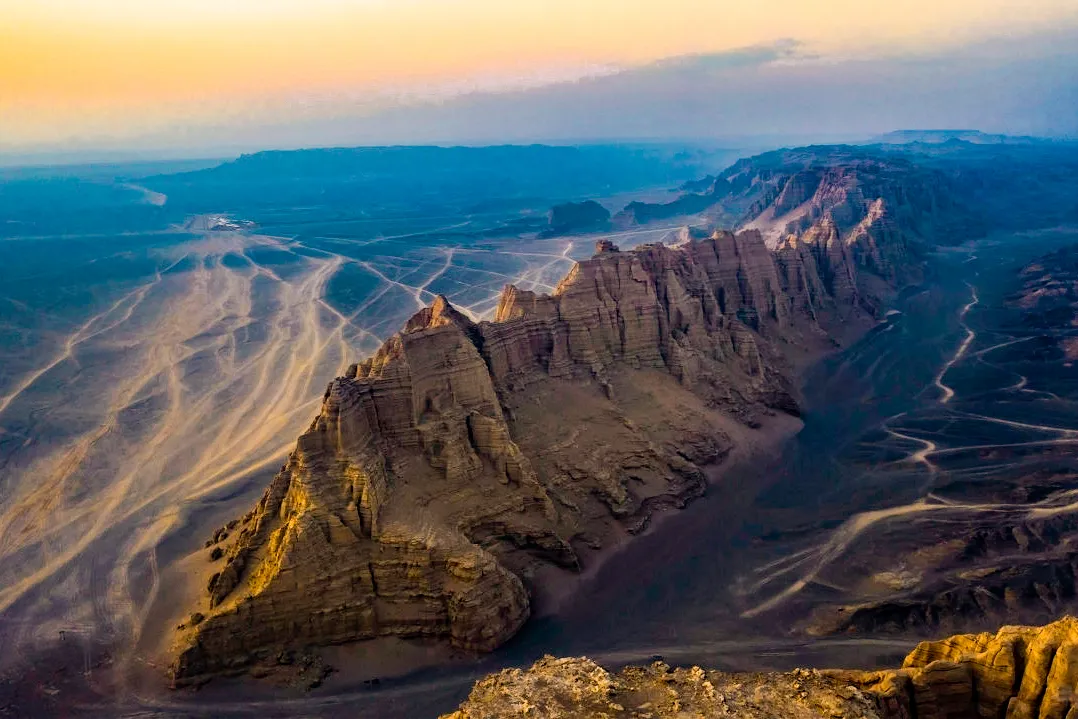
{"points": [[454, 468]]}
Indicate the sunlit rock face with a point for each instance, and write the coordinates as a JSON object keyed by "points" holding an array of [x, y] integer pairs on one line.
{"points": [[845, 223], [855, 223], [580, 689], [463, 459], [1017, 673]]}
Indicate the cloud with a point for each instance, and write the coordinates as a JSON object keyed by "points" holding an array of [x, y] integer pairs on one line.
{"points": [[717, 62], [783, 90], [1023, 85]]}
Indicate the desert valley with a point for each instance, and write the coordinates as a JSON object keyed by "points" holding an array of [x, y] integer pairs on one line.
{"points": [[801, 410]]}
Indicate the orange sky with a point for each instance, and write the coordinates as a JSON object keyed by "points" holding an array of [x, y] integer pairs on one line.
{"points": [[122, 67]]}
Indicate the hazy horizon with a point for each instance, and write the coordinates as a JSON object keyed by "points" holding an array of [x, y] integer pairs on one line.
{"points": [[171, 158], [196, 80]]}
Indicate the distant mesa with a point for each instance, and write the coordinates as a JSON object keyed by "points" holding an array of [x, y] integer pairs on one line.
{"points": [[939, 137], [358, 181], [575, 217], [641, 213]]}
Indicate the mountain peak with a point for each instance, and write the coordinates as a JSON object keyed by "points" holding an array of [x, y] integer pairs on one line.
{"points": [[448, 474]]}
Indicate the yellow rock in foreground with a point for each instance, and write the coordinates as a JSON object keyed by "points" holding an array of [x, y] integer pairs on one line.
{"points": [[1018, 673]]}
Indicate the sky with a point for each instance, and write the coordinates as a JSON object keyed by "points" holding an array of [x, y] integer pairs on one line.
{"points": [[197, 75]]}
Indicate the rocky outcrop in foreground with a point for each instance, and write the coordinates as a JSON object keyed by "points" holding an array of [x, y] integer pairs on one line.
{"points": [[580, 689], [1018, 673]]}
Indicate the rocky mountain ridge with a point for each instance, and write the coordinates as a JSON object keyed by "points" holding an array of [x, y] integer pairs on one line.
{"points": [[449, 474], [860, 214], [1017, 673], [463, 458]]}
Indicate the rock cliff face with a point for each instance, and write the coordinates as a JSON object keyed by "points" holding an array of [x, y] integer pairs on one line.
{"points": [[463, 458], [1018, 673], [846, 223], [860, 221]]}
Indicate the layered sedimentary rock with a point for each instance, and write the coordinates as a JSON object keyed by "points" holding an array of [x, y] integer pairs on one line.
{"points": [[325, 557], [846, 223], [1017, 673], [860, 222], [465, 459], [745, 276], [447, 470]]}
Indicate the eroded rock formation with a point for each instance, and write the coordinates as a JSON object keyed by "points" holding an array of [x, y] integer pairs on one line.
{"points": [[857, 221], [462, 458], [1017, 673], [847, 223], [447, 474]]}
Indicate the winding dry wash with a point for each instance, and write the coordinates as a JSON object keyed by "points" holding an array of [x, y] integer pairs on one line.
{"points": [[210, 365], [948, 393], [178, 394], [959, 436]]}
